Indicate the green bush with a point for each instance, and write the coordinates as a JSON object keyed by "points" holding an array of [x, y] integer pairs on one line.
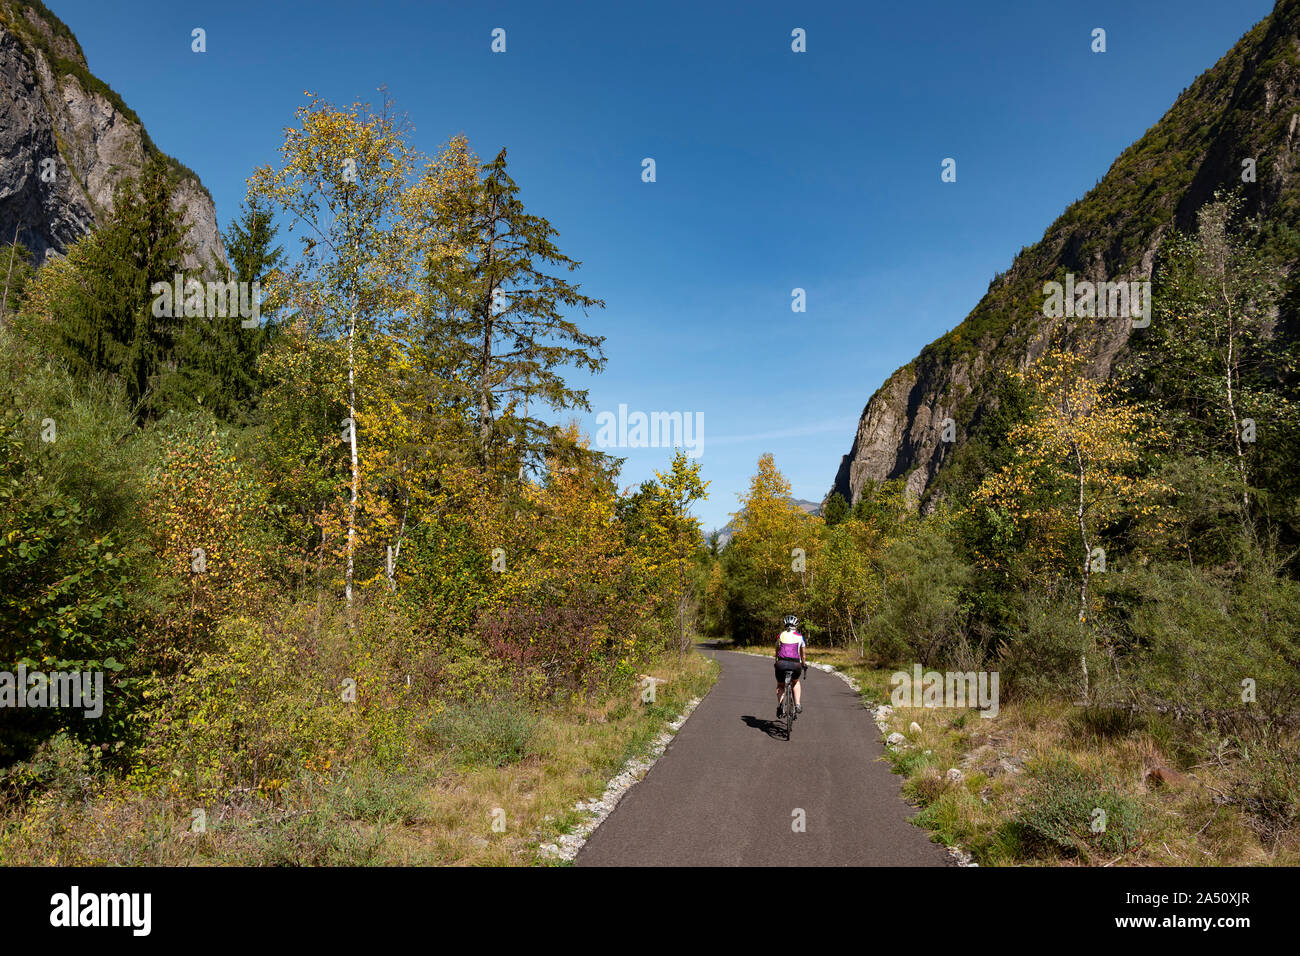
{"points": [[1042, 647], [64, 559], [60, 765], [249, 714], [1197, 635], [922, 616], [490, 734], [1061, 811]]}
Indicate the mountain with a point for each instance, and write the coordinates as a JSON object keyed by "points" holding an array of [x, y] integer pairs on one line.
{"points": [[808, 507], [53, 108], [1246, 106]]}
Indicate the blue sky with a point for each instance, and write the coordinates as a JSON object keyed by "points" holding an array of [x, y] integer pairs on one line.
{"points": [[775, 170]]}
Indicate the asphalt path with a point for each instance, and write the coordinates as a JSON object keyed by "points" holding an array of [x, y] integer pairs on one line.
{"points": [[730, 790]]}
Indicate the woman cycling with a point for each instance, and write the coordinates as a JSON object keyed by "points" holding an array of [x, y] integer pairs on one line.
{"points": [[789, 659]]}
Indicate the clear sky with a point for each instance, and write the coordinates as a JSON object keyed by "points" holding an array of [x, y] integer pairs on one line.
{"points": [[775, 170]]}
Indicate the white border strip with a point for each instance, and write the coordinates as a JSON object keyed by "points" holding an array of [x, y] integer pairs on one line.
{"points": [[597, 809]]}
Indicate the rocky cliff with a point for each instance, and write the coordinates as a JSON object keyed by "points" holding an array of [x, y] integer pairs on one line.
{"points": [[1247, 106], [67, 141]]}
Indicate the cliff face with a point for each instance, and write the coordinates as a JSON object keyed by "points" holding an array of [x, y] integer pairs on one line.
{"points": [[1245, 107], [53, 108]]}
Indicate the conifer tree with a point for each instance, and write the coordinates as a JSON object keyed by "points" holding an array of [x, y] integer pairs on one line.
{"points": [[106, 322], [218, 355], [503, 315]]}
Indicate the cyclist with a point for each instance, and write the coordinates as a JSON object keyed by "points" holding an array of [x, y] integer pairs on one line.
{"points": [[789, 658]]}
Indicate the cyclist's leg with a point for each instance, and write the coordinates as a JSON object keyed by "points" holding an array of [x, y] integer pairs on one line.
{"points": [[798, 687]]}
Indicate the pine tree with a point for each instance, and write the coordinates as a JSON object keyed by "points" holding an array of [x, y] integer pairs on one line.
{"points": [[837, 509], [218, 356], [502, 315], [106, 321]]}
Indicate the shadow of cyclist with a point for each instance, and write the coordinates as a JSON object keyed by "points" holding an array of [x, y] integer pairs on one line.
{"points": [[770, 727]]}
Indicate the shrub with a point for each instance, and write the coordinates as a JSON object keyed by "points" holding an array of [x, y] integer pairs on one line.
{"points": [[562, 648], [489, 734], [60, 765], [1061, 810], [249, 713], [921, 617]]}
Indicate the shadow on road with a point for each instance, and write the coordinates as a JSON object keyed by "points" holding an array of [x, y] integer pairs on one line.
{"points": [[770, 727]]}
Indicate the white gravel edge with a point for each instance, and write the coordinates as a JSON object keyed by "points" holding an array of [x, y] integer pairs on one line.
{"points": [[597, 809]]}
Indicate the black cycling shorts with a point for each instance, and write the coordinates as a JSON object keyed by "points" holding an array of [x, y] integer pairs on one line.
{"points": [[783, 665]]}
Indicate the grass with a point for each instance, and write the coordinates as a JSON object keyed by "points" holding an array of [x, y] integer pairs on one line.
{"points": [[1033, 776], [490, 785]]}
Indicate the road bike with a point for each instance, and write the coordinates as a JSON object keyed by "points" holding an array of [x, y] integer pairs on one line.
{"points": [[787, 704]]}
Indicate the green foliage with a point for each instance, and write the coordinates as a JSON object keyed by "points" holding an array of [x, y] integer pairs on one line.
{"points": [[64, 564], [836, 510], [61, 766], [884, 504], [488, 286], [15, 262], [1070, 810], [491, 733], [97, 315], [1178, 617], [922, 617], [221, 356]]}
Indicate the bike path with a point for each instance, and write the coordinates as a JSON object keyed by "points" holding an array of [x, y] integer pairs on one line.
{"points": [[728, 789]]}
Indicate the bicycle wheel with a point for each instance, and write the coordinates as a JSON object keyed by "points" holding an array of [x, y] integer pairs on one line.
{"points": [[788, 703]]}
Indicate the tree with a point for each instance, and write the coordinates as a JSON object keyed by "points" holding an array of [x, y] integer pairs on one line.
{"points": [[1073, 465], [254, 258], [836, 510], [885, 503], [100, 308], [502, 315], [766, 561], [675, 528], [847, 588], [343, 175], [1210, 361]]}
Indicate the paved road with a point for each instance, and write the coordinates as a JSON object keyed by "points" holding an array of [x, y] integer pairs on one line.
{"points": [[726, 790]]}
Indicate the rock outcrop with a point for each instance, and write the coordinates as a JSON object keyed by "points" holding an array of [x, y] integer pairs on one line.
{"points": [[67, 141], [1246, 107]]}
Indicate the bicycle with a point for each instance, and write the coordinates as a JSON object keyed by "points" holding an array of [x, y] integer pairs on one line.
{"points": [[787, 704]]}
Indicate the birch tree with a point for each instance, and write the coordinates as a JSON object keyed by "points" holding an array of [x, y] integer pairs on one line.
{"points": [[341, 181]]}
